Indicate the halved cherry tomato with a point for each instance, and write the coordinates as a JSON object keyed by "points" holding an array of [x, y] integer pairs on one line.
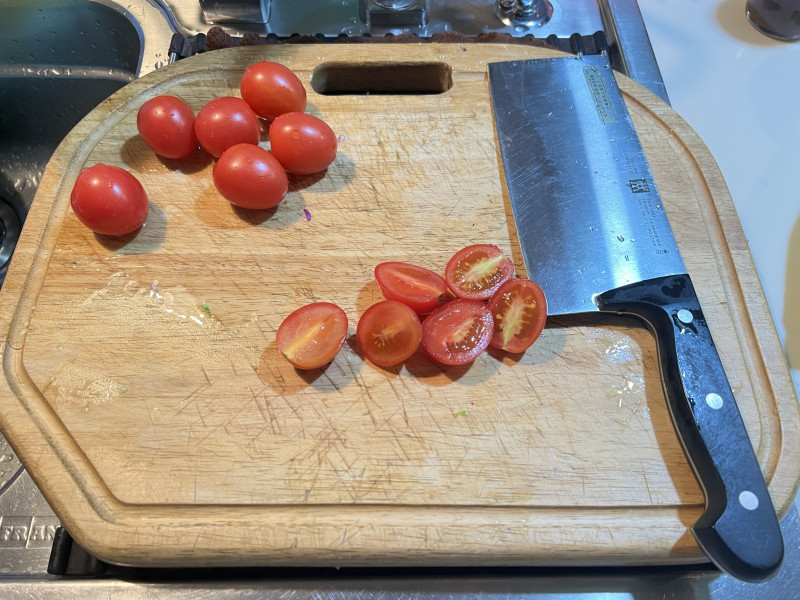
{"points": [[312, 335], [250, 177], [388, 333], [302, 143], [166, 124], [519, 309], [475, 272], [109, 200], [417, 287], [458, 332], [272, 89], [225, 122]]}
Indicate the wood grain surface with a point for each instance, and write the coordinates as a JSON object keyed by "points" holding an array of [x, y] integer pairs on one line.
{"points": [[144, 392]]}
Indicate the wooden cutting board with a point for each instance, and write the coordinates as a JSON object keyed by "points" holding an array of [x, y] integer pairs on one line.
{"points": [[144, 392]]}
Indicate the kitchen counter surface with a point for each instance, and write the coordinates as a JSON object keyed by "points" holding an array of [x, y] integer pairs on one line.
{"points": [[739, 91]]}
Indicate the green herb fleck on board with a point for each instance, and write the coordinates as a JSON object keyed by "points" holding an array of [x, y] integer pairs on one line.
{"points": [[123, 388], [206, 309], [461, 413]]}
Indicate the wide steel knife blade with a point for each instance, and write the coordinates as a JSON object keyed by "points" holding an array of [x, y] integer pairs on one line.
{"points": [[594, 236]]}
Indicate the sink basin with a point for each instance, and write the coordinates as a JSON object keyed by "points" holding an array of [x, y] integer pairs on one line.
{"points": [[58, 60]]}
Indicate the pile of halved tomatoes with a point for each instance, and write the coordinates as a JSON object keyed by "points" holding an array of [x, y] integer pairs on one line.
{"points": [[477, 304], [109, 200]]}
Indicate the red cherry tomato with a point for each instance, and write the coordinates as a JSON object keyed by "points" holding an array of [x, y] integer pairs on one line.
{"points": [[109, 200], [312, 335], [417, 287], [250, 177], [166, 124], [388, 333], [475, 272], [272, 89], [519, 309], [225, 122], [458, 332], [302, 143]]}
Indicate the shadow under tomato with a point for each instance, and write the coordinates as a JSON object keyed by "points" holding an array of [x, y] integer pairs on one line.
{"points": [[136, 155], [254, 216], [339, 174], [278, 373], [147, 238]]}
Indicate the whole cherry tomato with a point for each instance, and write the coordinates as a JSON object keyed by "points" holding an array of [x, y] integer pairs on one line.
{"points": [[109, 200], [250, 177], [225, 122], [166, 124], [272, 89], [302, 143]]}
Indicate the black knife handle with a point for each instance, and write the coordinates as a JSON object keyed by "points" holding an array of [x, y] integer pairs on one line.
{"points": [[738, 529]]}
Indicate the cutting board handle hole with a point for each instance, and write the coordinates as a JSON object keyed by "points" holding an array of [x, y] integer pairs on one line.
{"points": [[340, 78]]}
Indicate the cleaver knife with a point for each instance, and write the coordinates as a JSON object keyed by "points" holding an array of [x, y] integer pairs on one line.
{"points": [[594, 236]]}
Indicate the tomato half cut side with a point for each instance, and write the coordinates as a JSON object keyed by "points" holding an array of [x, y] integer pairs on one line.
{"points": [[388, 333], [416, 287], [475, 272], [311, 336], [458, 332], [519, 309]]}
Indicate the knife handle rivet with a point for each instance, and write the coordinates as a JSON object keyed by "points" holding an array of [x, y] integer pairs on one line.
{"points": [[714, 401], [748, 500], [685, 316]]}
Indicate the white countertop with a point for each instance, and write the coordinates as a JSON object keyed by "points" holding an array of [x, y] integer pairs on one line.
{"points": [[740, 91]]}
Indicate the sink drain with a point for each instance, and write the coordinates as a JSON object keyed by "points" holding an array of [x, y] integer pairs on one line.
{"points": [[9, 234]]}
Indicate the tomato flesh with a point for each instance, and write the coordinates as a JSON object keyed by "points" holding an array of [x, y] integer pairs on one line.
{"points": [[519, 309], [388, 333], [417, 287], [250, 177], [475, 272], [166, 124], [458, 332], [311, 336], [109, 200]]}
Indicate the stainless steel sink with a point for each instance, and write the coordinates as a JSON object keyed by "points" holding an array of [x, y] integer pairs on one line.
{"points": [[58, 60]]}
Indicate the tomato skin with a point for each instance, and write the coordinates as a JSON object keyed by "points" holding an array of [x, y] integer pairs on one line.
{"points": [[388, 333], [225, 122], [250, 177], [458, 332], [416, 287], [109, 200], [272, 89], [302, 143], [475, 272], [519, 308], [311, 336], [166, 124]]}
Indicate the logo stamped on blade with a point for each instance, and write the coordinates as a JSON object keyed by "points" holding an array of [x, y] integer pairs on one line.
{"points": [[639, 186]]}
